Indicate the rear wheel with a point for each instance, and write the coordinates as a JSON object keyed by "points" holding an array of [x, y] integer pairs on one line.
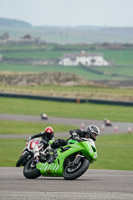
{"points": [[30, 170], [73, 171]]}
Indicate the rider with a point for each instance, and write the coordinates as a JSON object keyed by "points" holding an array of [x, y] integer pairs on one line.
{"points": [[92, 132], [47, 135]]}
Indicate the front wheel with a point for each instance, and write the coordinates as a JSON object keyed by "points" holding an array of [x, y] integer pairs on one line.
{"points": [[30, 171], [73, 171], [23, 159]]}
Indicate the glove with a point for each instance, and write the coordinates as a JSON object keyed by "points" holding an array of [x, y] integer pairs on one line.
{"points": [[28, 139], [75, 136], [49, 148], [79, 131], [55, 144], [47, 151], [72, 131]]}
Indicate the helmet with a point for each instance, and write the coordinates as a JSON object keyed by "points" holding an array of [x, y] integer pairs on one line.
{"points": [[49, 130], [93, 131]]}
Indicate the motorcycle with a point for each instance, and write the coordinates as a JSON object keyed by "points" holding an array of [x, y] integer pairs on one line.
{"points": [[107, 123], [27, 152], [70, 161]]}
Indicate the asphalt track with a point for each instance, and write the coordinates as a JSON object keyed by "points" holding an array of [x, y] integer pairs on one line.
{"points": [[93, 185]]}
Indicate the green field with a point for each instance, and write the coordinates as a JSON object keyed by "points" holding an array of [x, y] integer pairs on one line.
{"points": [[119, 57], [32, 54], [122, 69], [112, 73], [115, 152]]}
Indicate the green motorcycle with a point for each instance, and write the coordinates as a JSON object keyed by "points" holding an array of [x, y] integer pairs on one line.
{"points": [[70, 161]]}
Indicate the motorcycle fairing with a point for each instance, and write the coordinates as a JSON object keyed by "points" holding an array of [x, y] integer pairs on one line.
{"points": [[56, 168]]}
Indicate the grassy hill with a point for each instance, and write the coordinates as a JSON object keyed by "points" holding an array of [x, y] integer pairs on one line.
{"points": [[68, 35], [13, 23]]}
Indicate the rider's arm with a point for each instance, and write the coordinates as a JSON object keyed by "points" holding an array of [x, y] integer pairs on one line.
{"points": [[58, 143], [74, 135], [37, 135], [79, 132], [51, 137], [72, 132], [45, 143]]}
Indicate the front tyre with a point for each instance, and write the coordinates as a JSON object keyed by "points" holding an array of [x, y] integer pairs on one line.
{"points": [[30, 170], [72, 171], [22, 160]]}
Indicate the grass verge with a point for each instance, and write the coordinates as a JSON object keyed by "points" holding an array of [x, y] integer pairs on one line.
{"points": [[86, 92], [115, 152], [16, 127]]}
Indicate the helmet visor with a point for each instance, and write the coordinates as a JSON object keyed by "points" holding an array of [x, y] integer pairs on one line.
{"points": [[94, 135]]}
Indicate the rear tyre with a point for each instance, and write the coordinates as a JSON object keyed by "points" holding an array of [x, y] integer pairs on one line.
{"points": [[30, 171], [22, 159], [72, 171]]}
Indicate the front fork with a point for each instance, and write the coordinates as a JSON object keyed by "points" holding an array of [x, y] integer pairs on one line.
{"points": [[77, 159]]}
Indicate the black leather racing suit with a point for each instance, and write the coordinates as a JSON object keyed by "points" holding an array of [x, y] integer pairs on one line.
{"points": [[46, 137], [60, 142]]}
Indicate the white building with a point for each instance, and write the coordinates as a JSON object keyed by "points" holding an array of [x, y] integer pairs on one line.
{"points": [[86, 59]]}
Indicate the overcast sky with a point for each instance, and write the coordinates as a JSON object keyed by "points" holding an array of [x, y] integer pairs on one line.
{"points": [[69, 12]]}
